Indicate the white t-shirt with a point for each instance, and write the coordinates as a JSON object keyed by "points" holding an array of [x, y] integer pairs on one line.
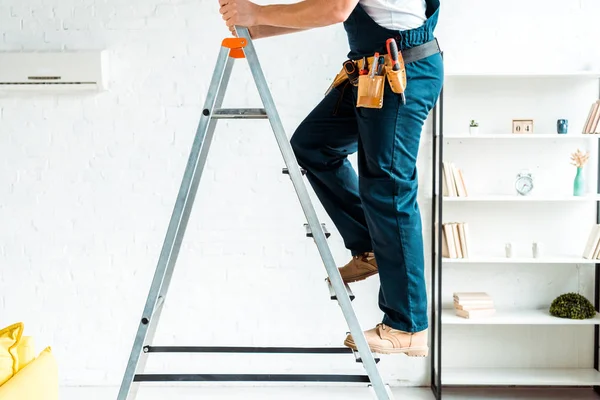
{"points": [[396, 14]]}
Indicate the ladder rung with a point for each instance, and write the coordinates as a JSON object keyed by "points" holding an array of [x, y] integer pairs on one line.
{"points": [[230, 349], [249, 378], [359, 360], [240, 113], [332, 292], [309, 232], [286, 171]]}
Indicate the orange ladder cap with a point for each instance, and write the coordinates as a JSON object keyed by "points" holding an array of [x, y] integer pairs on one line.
{"points": [[236, 46]]}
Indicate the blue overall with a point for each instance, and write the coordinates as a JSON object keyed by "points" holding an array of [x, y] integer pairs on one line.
{"points": [[377, 210]]}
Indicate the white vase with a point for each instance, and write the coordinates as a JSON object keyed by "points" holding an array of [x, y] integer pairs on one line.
{"points": [[474, 130]]}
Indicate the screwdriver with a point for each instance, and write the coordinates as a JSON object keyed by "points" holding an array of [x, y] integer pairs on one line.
{"points": [[374, 66], [392, 49], [381, 63], [365, 67]]}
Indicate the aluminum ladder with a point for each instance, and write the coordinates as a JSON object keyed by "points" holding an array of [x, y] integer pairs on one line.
{"points": [[232, 49]]}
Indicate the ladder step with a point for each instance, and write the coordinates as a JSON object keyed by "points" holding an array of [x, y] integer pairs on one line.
{"points": [[230, 349], [309, 232], [240, 113], [359, 360], [286, 171], [254, 350], [332, 292], [249, 378]]}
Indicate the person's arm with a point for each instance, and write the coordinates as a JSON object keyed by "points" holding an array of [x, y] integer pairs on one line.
{"points": [[306, 14], [265, 31]]}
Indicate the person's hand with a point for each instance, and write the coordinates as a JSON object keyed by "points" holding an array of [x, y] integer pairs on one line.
{"points": [[239, 12], [253, 31]]}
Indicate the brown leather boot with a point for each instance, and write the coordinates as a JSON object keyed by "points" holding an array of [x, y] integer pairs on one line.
{"points": [[360, 267], [384, 340]]}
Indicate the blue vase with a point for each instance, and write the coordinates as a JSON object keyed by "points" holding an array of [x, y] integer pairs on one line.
{"points": [[562, 126], [578, 186]]}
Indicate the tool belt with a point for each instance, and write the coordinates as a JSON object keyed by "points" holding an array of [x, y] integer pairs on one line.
{"points": [[371, 86]]}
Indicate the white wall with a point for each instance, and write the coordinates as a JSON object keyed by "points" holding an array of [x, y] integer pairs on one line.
{"points": [[88, 183]]}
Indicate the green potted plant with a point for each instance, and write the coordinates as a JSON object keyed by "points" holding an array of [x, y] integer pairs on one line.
{"points": [[474, 127], [572, 306]]}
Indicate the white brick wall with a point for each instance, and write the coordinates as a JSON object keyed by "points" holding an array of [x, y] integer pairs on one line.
{"points": [[87, 183]]}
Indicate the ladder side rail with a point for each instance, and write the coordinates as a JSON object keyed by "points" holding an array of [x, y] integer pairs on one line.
{"points": [[178, 223], [344, 301]]}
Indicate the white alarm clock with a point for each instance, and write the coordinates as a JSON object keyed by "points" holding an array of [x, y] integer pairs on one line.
{"points": [[524, 183]]}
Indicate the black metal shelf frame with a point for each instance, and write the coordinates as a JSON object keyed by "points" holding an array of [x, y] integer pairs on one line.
{"points": [[436, 253]]}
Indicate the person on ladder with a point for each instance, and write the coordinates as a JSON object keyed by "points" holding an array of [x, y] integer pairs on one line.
{"points": [[376, 211]]}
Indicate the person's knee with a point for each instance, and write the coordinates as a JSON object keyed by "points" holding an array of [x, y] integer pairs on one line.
{"points": [[296, 142], [387, 185], [301, 144]]}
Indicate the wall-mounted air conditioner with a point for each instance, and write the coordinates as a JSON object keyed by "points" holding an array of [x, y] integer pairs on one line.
{"points": [[48, 71]]}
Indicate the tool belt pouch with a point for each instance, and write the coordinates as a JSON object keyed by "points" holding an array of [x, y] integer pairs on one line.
{"points": [[397, 80], [370, 91], [340, 78]]}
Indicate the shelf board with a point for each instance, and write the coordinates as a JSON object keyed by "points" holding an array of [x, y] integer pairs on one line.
{"points": [[520, 260], [516, 198], [521, 376], [521, 136], [515, 317], [522, 74]]}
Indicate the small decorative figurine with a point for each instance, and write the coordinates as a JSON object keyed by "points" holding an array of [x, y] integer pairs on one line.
{"points": [[536, 249], [508, 250]]}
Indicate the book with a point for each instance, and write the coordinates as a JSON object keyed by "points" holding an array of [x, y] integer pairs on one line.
{"points": [[461, 178], [468, 307], [468, 314], [455, 239], [596, 251], [596, 118], [453, 181], [592, 124], [461, 189], [589, 118], [462, 232], [471, 296], [473, 304], [445, 247], [456, 235], [449, 180], [448, 235], [592, 246]]}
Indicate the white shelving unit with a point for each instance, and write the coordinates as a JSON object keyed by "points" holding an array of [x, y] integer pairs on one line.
{"points": [[515, 317], [519, 260], [522, 376], [521, 136], [525, 75], [489, 139], [511, 198]]}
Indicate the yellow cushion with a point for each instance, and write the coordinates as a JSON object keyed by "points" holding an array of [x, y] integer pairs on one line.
{"points": [[9, 337], [25, 352], [37, 381]]}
